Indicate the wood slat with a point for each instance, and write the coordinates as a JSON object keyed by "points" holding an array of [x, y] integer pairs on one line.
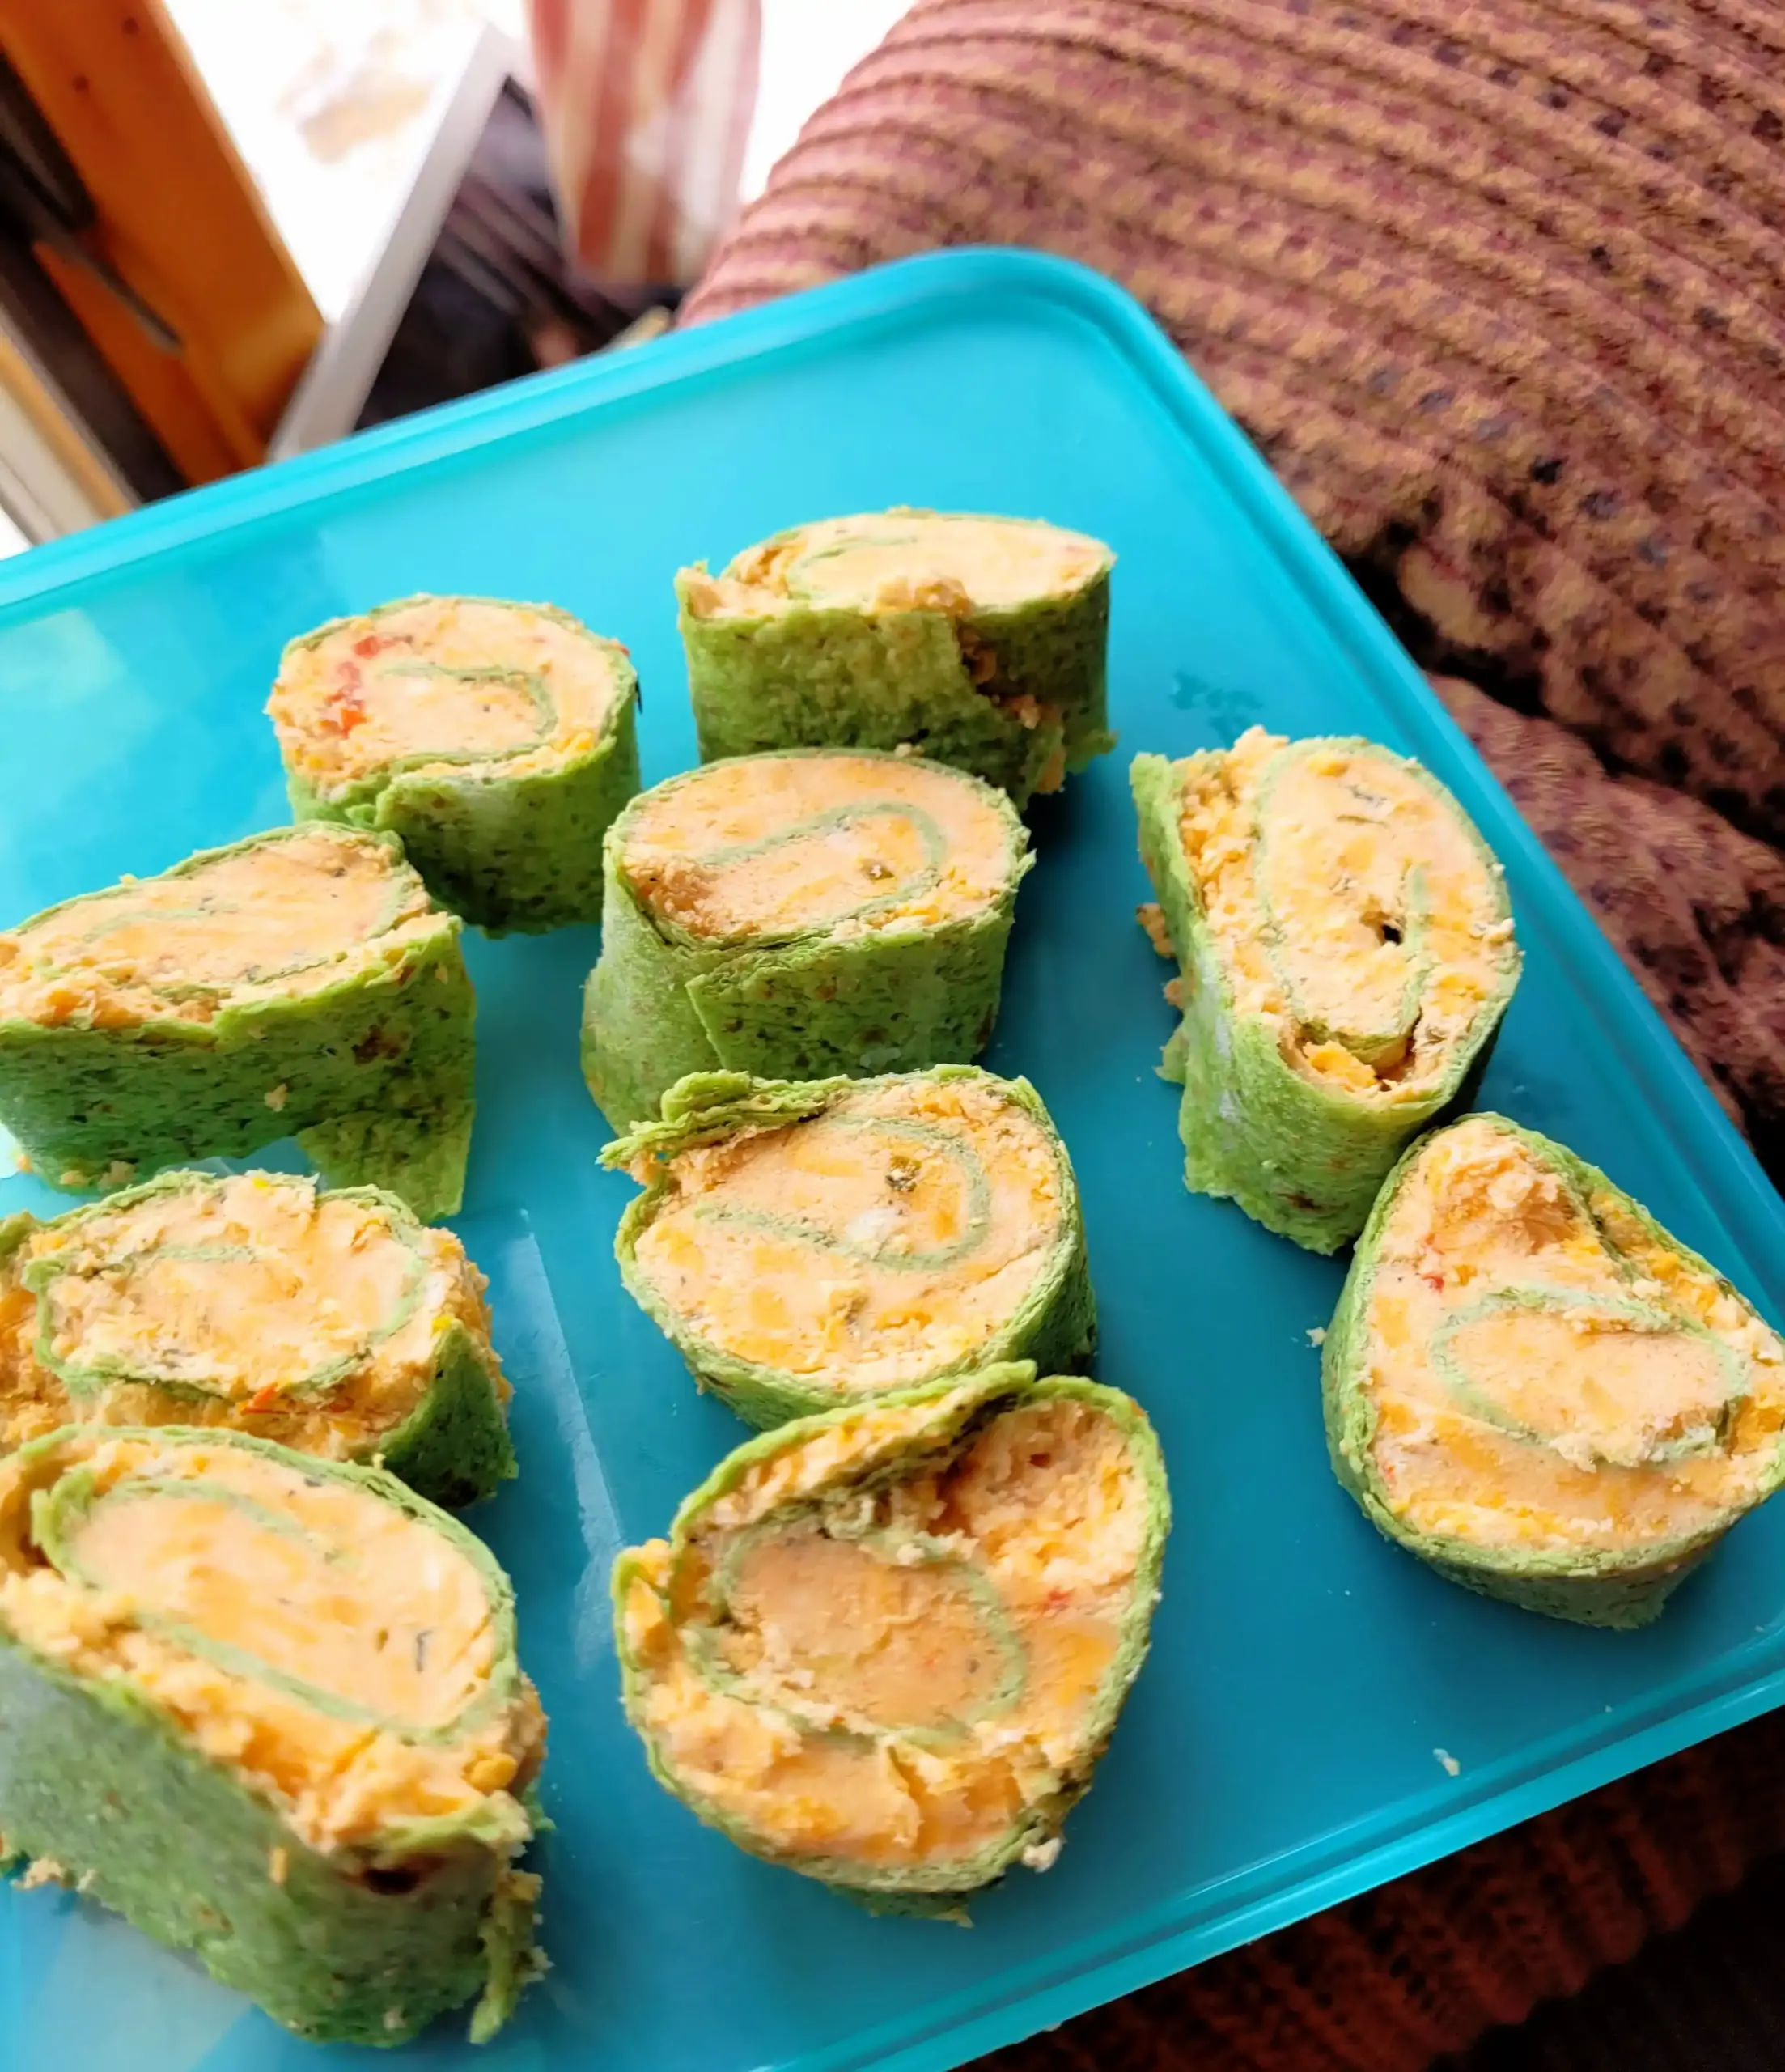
{"points": [[179, 218]]}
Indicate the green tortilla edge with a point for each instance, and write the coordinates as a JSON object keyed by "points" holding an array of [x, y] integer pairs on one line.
{"points": [[659, 1005], [961, 1402], [453, 1449], [1588, 1589], [376, 1070], [1055, 1326], [837, 678], [1304, 1160], [516, 854], [97, 1780]]}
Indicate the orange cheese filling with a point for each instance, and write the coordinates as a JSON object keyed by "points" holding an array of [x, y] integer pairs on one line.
{"points": [[894, 1677], [901, 560], [1350, 906], [866, 1247], [769, 846], [284, 917], [1591, 1389], [335, 1652], [443, 686], [256, 1301]]}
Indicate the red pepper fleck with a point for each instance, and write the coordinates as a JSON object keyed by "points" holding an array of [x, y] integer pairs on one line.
{"points": [[262, 1401], [343, 708], [370, 644], [1435, 1281]]}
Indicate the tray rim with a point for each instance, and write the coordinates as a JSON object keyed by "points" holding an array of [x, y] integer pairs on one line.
{"points": [[1321, 1872]]}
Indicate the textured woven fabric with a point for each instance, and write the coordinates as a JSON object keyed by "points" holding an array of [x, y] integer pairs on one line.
{"points": [[1708, 1997], [1497, 290], [1696, 908], [1426, 1964]]}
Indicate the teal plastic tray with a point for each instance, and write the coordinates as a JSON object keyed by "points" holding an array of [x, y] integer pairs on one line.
{"points": [[1288, 1743]]}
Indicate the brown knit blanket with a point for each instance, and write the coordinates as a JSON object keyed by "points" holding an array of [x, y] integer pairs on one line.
{"points": [[1500, 290]]}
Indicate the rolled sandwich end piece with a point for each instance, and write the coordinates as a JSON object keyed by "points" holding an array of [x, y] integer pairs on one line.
{"points": [[334, 1323], [980, 640], [293, 1684], [885, 1647], [1535, 1389], [496, 739], [1347, 952], [298, 983], [797, 915], [807, 1245]]}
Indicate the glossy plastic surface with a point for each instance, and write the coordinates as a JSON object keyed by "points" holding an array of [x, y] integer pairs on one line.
{"points": [[1292, 1738]]}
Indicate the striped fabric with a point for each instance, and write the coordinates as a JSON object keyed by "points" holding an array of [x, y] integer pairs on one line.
{"points": [[646, 107], [1496, 286]]}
